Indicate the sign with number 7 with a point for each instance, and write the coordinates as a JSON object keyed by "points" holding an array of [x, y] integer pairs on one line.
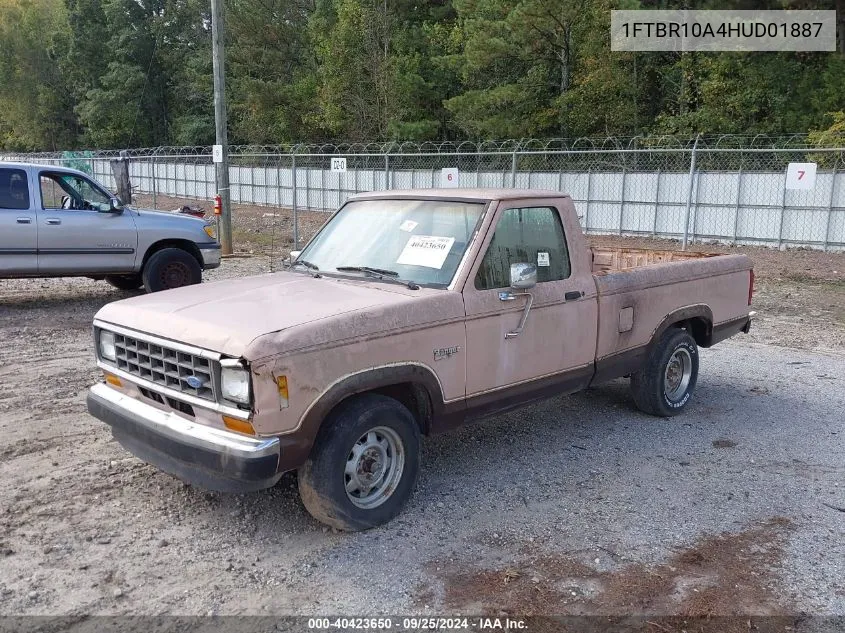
{"points": [[801, 176]]}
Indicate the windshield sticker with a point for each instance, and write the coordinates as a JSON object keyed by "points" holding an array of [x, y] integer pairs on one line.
{"points": [[542, 259], [408, 226], [426, 250]]}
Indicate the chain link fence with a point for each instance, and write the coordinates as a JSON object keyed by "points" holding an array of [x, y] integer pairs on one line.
{"points": [[730, 189]]}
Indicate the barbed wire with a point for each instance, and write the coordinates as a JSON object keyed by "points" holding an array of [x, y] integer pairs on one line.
{"points": [[612, 143]]}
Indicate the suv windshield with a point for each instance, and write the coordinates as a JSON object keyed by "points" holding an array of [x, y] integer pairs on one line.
{"points": [[417, 240]]}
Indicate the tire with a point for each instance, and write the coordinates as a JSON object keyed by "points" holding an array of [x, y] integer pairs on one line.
{"points": [[657, 393], [358, 436], [125, 282], [171, 268]]}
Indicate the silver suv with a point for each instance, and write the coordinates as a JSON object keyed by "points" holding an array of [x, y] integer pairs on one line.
{"points": [[58, 222]]}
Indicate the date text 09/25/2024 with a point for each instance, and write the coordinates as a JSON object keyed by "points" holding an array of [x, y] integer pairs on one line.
{"points": [[418, 624]]}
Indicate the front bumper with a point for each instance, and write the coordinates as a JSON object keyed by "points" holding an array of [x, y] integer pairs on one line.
{"points": [[201, 455], [211, 255]]}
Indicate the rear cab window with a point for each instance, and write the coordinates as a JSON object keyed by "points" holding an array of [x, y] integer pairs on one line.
{"points": [[14, 189], [525, 235]]}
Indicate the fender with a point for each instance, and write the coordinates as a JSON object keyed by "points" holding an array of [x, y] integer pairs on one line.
{"points": [[296, 444], [698, 310], [627, 362]]}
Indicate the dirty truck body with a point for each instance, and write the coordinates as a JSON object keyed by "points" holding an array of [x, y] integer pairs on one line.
{"points": [[409, 313]]}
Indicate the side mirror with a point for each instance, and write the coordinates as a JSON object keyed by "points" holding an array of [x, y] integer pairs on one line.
{"points": [[523, 276], [290, 259], [115, 206], [294, 255]]}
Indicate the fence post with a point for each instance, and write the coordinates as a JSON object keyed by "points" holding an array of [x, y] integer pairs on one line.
{"points": [[622, 200], [689, 193], [295, 216], [738, 198], [386, 170], [656, 204], [782, 211], [587, 210], [513, 171], [830, 206], [155, 187]]}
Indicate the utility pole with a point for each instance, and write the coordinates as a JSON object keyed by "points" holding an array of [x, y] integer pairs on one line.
{"points": [[221, 168]]}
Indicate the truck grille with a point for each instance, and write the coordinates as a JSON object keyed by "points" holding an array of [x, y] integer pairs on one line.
{"points": [[166, 367]]}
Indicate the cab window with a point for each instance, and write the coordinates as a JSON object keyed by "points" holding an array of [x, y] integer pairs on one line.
{"points": [[14, 189], [527, 235], [69, 191]]}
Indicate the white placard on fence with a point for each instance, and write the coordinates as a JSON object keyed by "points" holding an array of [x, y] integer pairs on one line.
{"points": [[801, 176], [449, 177], [339, 165], [217, 153]]}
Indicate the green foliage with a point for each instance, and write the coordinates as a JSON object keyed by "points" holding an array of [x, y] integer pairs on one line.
{"points": [[122, 73]]}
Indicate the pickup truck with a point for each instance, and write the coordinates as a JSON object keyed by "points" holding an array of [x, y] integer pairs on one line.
{"points": [[58, 222], [407, 314]]}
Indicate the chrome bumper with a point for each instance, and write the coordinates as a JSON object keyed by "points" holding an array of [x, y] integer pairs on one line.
{"points": [[211, 255], [205, 456]]}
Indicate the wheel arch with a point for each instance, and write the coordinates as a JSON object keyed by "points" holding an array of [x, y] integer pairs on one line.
{"points": [[697, 319], [414, 385], [183, 244]]}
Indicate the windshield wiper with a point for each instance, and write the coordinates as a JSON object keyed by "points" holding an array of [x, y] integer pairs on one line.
{"points": [[381, 273], [367, 269], [306, 263], [312, 268]]}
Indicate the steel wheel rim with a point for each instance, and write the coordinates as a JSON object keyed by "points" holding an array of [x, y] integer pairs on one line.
{"points": [[175, 275], [678, 373], [374, 467]]}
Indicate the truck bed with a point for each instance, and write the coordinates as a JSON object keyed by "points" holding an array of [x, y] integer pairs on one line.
{"points": [[608, 258]]}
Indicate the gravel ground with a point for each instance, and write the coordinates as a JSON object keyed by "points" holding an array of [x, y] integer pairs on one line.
{"points": [[576, 505]]}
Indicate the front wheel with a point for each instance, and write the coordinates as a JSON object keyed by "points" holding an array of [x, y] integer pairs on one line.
{"points": [[171, 268], [364, 464], [665, 384]]}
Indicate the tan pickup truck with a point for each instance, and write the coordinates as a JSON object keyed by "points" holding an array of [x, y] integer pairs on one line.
{"points": [[409, 313]]}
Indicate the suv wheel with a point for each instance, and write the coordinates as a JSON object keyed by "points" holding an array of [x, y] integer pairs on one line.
{"points": [[364, 464], [171, 268], [125, 282], [665, 384]]}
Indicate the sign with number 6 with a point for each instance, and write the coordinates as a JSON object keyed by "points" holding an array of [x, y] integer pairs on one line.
{"points": [[449, 177], [801, 176]]}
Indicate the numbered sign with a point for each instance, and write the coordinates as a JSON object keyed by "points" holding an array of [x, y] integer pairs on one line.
{"points": [[339, 165], [217, 153], [801, 176], [449, 177]]}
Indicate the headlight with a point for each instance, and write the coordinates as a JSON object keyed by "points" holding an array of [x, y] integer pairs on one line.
{"points": [[234, 384], [209, 230], [107, 349]]}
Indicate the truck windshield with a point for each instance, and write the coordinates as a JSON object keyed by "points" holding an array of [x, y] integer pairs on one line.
{"points": [[419, 240]]}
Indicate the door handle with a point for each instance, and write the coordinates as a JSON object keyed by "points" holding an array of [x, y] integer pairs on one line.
{"points": [[53, 221], [572, 295], [24, 220]]}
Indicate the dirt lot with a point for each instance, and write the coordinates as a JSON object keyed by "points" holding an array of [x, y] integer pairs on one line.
{"points": [[578, 505]]}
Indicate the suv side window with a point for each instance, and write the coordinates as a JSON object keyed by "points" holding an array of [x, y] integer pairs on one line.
{"points": [[14, 189], [531, 235]]}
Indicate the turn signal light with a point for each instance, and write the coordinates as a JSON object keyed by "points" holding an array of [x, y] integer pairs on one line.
{"points": [[113, 380], [240, 426], [282, 384]]}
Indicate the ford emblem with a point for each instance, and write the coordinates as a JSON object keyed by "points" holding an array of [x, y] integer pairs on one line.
{"points": [[194, 382]]}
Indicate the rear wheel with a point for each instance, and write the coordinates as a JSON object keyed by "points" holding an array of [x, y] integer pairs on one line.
{"points": [[364, 464], [171, 268], [125, 282], [665, 384]]}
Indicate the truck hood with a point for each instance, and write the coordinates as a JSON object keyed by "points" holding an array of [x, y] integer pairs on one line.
{"points": [[227, 316]]}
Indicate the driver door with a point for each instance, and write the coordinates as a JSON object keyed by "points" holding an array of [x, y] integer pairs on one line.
{"points": [[75, 234]]}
